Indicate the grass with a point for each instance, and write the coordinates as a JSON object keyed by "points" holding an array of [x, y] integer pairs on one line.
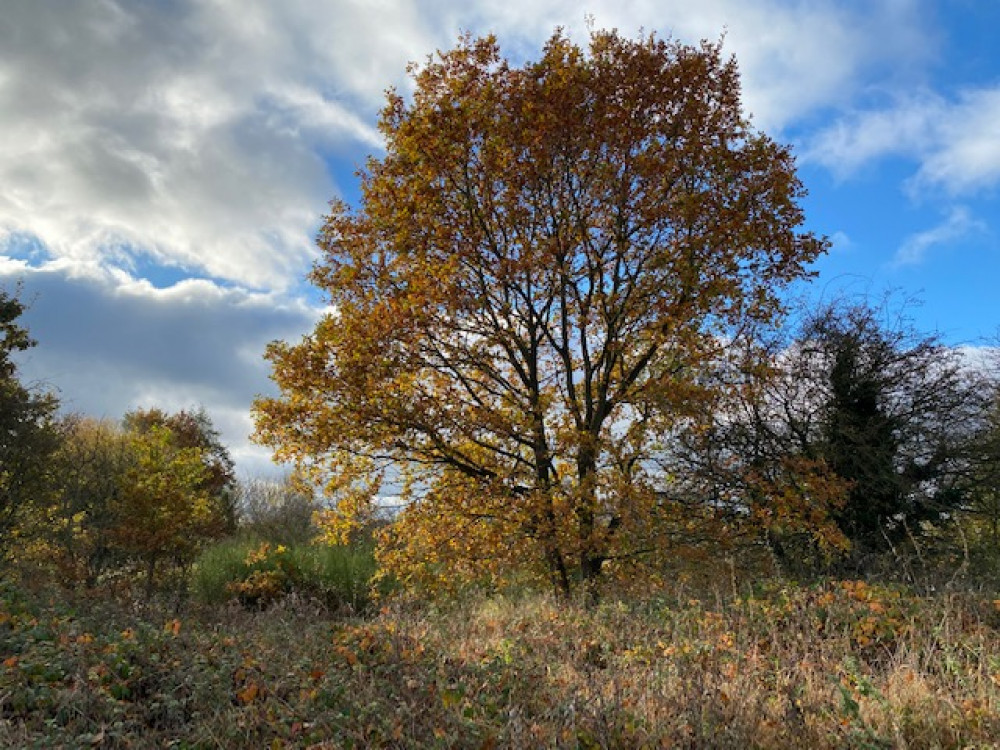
{"points": [[259, 573], [842, 664], [218, 567]]}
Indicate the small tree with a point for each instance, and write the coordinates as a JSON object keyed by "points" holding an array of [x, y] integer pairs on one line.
{"points": [[88, 472], [541, 265], [194, 429], [162, 511]]}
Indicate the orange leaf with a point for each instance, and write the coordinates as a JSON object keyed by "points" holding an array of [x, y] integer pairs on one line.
{"points": [[348, 655], [249, 693]]}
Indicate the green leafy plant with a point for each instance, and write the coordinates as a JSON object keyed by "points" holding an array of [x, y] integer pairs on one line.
{"points": [[258, 574]]}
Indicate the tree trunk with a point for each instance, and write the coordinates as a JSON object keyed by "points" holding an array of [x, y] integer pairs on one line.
{"points": [[591, 561]]}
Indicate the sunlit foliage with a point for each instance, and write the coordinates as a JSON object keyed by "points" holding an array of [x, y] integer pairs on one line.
{"points": [[120, 498], [542, 265]]}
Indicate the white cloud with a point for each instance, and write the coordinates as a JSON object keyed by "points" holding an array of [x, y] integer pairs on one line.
{"points": [[981, 358], [967, 155], [856, 140], [958, 224], [196, 134], [954, 142], [795, 56], [840, 242]]}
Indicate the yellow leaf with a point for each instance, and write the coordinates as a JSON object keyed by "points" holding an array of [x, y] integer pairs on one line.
{"points": [[249, 693]]}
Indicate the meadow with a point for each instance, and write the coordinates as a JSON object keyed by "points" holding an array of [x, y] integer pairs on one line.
{"points": [[769, 664]]}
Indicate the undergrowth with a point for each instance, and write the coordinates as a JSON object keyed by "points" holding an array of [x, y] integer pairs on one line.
{"points": [[840, 664]]}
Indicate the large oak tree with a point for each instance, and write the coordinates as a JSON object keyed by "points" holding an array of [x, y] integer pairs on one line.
{"points": [[542, 261]]}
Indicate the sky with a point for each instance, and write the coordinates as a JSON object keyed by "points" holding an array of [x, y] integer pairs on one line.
{"points": [[165, 164]]}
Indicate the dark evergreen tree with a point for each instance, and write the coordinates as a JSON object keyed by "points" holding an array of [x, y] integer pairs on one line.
{"points": [[27, 435], [896, 418]]}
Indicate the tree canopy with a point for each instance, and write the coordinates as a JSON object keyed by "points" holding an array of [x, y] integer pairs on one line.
{"points": [[194, 429], [543, 263]]}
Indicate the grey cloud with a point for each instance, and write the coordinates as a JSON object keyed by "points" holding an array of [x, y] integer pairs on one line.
{"points": [[146, 125], [108, 343]]}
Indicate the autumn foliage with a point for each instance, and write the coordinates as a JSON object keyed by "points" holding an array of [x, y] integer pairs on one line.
{"points": [[120, 499], [543, 266]]}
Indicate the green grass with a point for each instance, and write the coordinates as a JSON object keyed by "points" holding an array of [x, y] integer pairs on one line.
{"points": [[217, 567], [345, 572], [841, 664], [259, 573]]}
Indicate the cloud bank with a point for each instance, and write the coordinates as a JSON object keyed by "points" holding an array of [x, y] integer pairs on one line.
{"points": [[200, 135], [109, 343]]}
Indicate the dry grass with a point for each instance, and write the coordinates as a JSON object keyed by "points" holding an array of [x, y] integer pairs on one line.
{"points": [[844, 664]]}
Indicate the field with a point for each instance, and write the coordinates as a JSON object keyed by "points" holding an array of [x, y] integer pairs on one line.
{"points": [[835, 664]]}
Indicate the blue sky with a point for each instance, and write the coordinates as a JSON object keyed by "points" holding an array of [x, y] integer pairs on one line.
{"points": [[165, 164]]}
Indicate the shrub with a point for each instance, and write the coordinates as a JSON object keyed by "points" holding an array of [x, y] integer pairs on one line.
{"points": [[257, 574], [218, 566]]}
